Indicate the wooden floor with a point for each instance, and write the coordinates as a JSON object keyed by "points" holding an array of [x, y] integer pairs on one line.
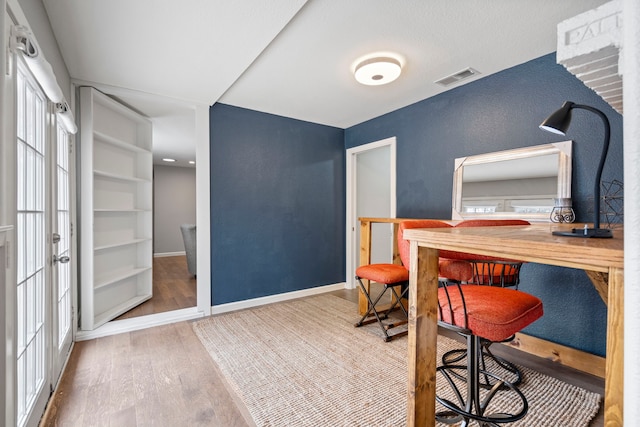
{"points": [[173, 288], [163, 376]]}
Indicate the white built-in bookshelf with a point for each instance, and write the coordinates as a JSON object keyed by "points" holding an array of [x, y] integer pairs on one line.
{"points": [[116, 208]]}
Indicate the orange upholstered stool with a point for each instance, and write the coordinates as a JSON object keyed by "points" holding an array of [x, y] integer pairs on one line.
{"points": [[395, 279], [482, 313], [490, 271]]}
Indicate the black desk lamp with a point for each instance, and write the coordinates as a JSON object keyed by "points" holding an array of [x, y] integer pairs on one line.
{"points": [[559, 122]]}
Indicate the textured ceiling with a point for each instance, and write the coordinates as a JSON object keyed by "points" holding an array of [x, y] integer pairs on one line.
{"points": [[291, 57]]}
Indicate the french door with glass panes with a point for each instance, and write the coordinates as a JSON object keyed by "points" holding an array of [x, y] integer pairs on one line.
{"points": [[43, 242]]}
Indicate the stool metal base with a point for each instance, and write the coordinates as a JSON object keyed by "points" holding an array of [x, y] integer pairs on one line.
{"points": [[474, 404], [373, 315], [489, 362]]}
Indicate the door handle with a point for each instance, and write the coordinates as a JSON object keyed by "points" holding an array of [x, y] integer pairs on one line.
{"points": [[61, 260]]}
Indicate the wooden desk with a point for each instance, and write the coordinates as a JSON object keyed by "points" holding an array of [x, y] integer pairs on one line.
{"points": [[533, 243]]}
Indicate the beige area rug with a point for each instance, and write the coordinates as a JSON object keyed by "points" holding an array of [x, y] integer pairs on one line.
{"points": [[302, 363]]}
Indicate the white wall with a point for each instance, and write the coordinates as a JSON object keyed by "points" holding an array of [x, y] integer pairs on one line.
{"points": [[631, 89], [174, 203]]}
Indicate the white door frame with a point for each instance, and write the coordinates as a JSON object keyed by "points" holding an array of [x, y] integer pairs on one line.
{"points": [[203, 211], [352, 224]]}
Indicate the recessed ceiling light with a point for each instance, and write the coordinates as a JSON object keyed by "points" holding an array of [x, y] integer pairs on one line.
{"points": [[378, 70], [192, 162], [169, 160]]}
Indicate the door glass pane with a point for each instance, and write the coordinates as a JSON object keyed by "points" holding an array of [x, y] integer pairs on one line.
{"points": [[64, 230], [31, 108]]}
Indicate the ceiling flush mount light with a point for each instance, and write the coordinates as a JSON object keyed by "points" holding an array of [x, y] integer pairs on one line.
{"points": [[169, 160], [377, 71]]}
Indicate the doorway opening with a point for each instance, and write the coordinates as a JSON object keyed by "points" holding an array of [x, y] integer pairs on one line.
{"points": [[173, 266], [371, 193]]}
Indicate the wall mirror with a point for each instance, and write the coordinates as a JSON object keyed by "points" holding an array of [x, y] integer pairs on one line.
{"points": [[520, 183]]}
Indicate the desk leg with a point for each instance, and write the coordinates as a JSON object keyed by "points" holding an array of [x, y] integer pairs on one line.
{"points": [[423, 336], [365, 259], [613, 391]]}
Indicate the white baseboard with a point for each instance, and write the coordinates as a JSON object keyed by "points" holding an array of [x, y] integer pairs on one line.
{"points": [[164, 254], [141, 322], [255, 302]]}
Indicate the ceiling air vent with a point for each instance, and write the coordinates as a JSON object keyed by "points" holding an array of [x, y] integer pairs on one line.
{"points": [[455, 78]]}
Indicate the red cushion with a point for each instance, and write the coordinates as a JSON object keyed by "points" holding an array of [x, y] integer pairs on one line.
{"points": [[383, 273], [403, 245], [493, 313], [454, 269]]}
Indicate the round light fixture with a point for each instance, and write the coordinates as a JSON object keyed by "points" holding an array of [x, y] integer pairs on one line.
{"points": [[377, 71]]}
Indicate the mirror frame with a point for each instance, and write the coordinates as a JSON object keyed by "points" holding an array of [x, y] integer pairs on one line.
{"points": [[563, 149]]}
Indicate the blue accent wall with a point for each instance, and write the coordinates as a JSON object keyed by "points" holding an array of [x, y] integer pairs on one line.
{"points": [[277, 204], [500, 112], [278, 186]]}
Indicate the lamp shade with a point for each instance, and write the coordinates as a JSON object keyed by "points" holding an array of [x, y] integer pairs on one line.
{"points": [[559, 121]]}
